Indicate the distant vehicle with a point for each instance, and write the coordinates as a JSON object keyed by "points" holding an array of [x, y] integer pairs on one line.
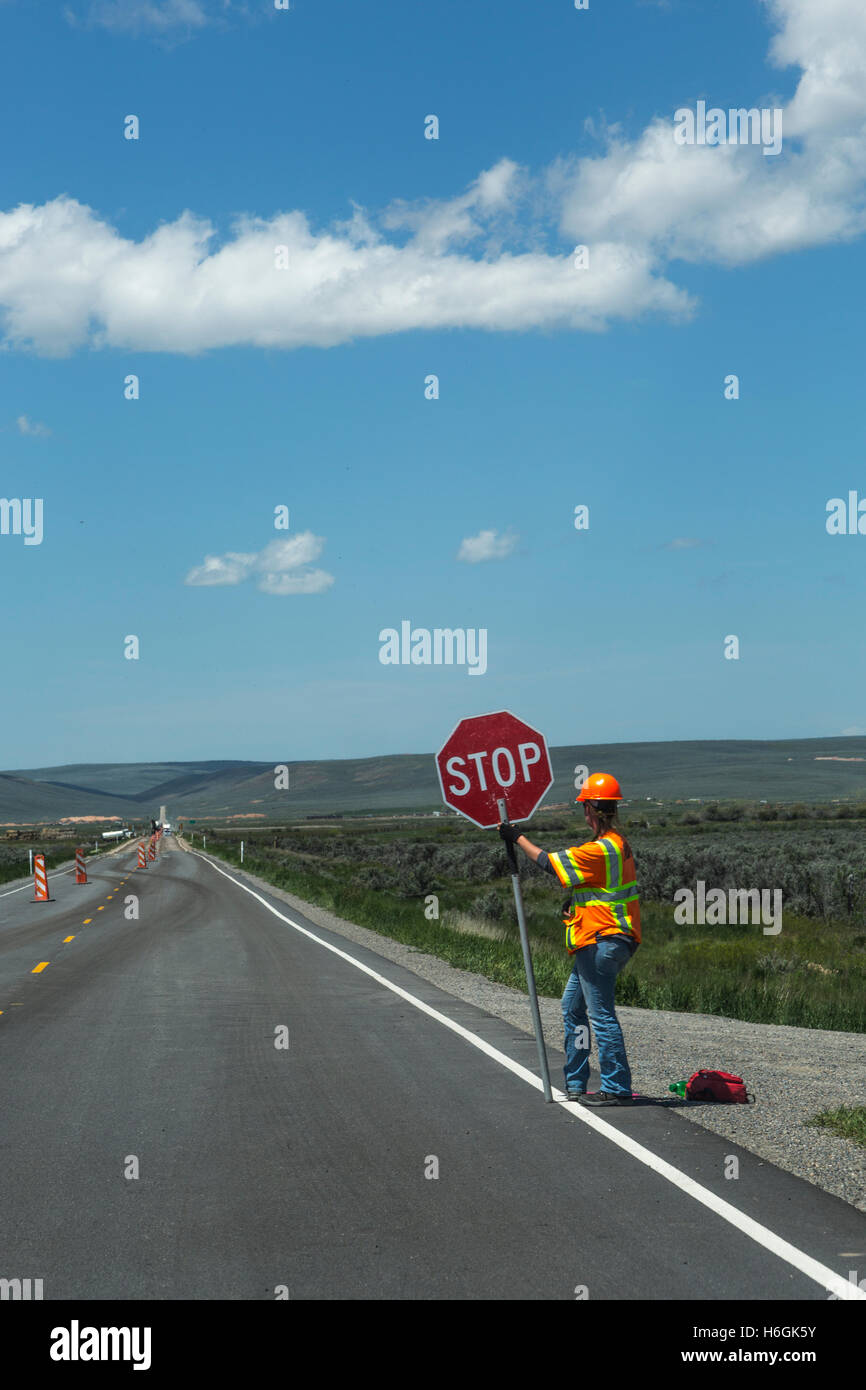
{"points": [[116, 834], [166, 825]]}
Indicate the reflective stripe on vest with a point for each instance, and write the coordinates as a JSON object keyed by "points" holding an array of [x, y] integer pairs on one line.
{"points": [[613, 861], [617, 895], [565, 860], [590, 896]]}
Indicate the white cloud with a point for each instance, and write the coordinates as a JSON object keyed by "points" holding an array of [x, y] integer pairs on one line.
{"points": [[498, 256], [683, 543], [438, 225], [290, 553], [854, 731], [33, 427], [144, 16], [313, 582], [487, 545], [68, 279], [278, 569], [729, 203], [222, 569]]}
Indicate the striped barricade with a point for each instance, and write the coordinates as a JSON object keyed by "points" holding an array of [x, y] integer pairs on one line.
{"points": [[80, 867], [40, 879]]}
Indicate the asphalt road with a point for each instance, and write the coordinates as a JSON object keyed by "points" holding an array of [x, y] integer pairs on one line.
{"points": [[150, 1041]]}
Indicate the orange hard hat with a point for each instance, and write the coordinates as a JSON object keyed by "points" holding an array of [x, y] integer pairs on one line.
{"points": [[600, 786]]}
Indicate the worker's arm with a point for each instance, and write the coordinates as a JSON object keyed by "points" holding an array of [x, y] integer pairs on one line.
{"points": [[529, 849], [516, 837]]}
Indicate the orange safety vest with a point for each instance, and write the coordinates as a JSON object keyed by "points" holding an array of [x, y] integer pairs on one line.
{"points": [[604, 896]]}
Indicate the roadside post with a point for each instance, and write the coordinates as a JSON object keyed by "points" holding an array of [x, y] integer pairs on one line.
{"points": [[242, 851], [483, 759]]}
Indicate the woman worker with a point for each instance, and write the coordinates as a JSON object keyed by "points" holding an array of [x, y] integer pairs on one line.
{"points": [[602, 920]]}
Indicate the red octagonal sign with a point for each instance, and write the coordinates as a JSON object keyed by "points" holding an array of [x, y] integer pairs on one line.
{"points": [[490, 758]]}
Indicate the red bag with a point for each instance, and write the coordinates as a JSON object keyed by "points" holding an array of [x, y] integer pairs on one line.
{"points": [[717, 1085]]}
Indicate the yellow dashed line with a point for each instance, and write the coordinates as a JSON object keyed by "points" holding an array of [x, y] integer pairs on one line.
{"points": [[68, 938], [100, 909], [41, 966], [87, 921]]}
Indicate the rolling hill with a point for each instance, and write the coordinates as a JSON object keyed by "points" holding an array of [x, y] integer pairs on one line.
{"points": [[807, 770]]}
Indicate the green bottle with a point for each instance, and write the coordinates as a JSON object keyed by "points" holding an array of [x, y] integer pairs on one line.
{"points": [[679, 1088]]}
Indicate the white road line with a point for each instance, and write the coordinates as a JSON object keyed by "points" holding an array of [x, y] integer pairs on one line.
{"points": [[813, 1269], [55, 873]]}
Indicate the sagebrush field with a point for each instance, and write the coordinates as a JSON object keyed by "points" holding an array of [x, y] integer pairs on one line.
{"points": [[394, 875]]}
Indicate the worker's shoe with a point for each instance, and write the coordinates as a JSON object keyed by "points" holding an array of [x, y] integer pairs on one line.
{"points": [[604, 1098], [575, 1095]]}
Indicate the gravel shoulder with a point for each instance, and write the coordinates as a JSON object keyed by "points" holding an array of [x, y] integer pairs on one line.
{"points": [[793, 1073]]}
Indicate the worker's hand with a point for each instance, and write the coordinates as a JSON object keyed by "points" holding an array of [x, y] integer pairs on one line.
{"points": [[510, 833]]}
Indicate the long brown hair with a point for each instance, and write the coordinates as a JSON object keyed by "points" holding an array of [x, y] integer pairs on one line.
{"points": [[606, 811]]}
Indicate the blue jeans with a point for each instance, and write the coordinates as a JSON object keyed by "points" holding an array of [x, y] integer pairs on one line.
{"points": [[589, 997]]}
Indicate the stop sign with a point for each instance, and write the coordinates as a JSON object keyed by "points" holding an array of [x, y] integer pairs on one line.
{"points": [[490, 758]]}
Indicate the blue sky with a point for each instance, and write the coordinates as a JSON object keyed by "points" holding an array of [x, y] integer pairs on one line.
{"points": [[408, 256]]}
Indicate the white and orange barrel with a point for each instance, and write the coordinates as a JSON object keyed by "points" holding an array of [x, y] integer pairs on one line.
{"points": [[80, 867], [40, 879], [151, 853], [142, 856]]}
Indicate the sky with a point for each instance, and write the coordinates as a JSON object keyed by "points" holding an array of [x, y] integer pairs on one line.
{"points": [[285, 260]]}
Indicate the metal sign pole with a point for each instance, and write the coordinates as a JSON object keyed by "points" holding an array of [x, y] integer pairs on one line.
{"points": [[527, 960]]}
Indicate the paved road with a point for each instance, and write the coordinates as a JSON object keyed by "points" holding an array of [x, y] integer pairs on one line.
{"points": [[259, 1167]]}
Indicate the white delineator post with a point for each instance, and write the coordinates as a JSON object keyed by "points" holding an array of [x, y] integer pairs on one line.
{"points": [[242, 851]]}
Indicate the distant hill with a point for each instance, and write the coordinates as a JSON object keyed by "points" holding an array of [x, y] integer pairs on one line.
{"points": [[748, 769]]}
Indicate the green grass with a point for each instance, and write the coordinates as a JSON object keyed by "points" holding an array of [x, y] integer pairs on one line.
{"points": [[812, 975], [16, 864], [849, 1121], [15, 861]]}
